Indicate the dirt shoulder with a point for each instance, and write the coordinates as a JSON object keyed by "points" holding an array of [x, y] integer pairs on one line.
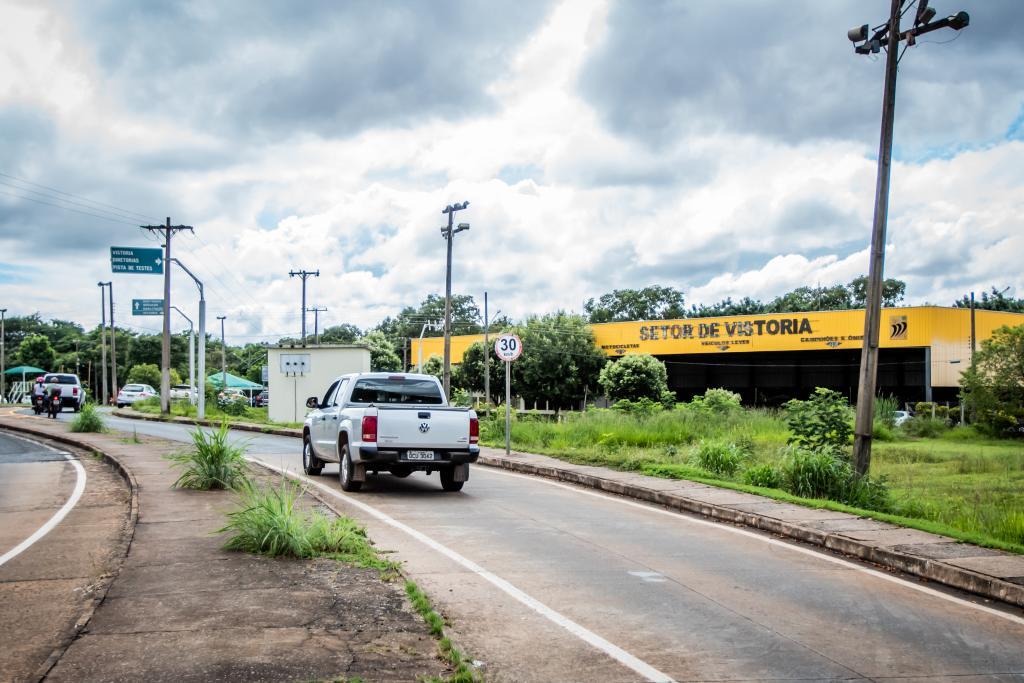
{"points": [[181, 608]]}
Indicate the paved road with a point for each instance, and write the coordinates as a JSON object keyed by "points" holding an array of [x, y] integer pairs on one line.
{"points": [[60, 524], [675, 597]]}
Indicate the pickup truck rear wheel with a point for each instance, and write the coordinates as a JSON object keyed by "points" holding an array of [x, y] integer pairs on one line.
{"points": [[448, 482], [345, 468], [311, 464]]}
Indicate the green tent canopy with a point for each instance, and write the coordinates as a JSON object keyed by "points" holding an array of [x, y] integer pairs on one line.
{"points": [[24, 370], [234, 382]]}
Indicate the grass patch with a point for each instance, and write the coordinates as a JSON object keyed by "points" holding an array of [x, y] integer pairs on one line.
{"points": [[268, 522], [448, 652], [958, 484], [88, 420], [212, 462]]}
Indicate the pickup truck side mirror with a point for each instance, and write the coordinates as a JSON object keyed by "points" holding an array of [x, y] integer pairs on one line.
{"points": [[312, 402]]}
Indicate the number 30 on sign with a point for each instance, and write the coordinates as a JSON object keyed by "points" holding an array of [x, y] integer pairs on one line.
{"points": [[508, 347]]}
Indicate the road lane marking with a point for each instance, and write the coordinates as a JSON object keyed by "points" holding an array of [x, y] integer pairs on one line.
{"points": [[626, 659], [771, 541], [59, 515]]}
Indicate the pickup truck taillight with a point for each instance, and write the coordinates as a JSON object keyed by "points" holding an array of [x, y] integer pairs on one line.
{"points": [[369, 428], [74, 391], [474, 430]]}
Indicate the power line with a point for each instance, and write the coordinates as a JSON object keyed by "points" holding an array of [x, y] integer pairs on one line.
{"points": [[67, 208], [70, 194]]}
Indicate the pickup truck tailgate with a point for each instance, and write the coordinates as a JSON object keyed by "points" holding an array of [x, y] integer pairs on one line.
{"points": [[427, 427]]}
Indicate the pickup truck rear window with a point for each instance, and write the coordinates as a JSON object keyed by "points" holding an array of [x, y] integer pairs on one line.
{"points": [[387, 390], [60, 379]]}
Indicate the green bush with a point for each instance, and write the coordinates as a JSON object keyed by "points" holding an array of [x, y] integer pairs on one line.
{"points": [[635, 377], [826, 474], [232, 406], [717, 401], [820, 423], [924, 426], [643, 407], [212, 463], [718, 457], [766, 476], [88, 420]]}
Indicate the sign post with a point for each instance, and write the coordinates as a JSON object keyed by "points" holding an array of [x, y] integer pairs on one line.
{"points": [[147, 306], [137, 260], [508, 347]]}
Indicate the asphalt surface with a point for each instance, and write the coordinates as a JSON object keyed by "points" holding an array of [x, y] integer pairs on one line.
{"points": [[51, 565], [687, 599]]}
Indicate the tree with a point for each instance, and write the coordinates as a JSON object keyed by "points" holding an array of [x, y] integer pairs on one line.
{"points": [[996, 301], [382, 355], [650, 303], [144, 373], [745, 306], [994, 386], [469, 374], [635, 377], [892, 291], [35, 350], [340, 334], [434, 366], [560, 362]]}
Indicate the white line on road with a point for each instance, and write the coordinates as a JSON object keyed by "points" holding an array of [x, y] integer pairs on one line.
{"points": [[772, 541], [59, 515], [626, 659]]}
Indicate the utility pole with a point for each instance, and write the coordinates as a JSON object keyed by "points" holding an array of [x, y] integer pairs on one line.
{"points": [[304, 274], [103, 341], [165, 349], [113, 344], [3, 357], [449, 235], [223, 357], [873, 307], [201, 389], [316, 322]]}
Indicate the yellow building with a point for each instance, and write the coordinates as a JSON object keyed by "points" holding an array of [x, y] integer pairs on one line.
{"points": [[769, 358]]}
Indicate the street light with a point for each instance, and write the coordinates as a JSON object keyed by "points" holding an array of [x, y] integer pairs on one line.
{"points": [[449, 234], [3, 358], [191, 356], [890, 32], [223, 358]]}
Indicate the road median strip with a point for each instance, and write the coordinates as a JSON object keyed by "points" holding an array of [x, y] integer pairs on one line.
{"points": [[929, 556]]}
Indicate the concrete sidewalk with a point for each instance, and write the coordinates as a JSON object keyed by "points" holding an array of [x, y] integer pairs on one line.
{"points": [[992, 574], [183, 609]]}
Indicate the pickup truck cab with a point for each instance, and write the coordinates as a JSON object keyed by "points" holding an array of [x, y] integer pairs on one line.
{"points": [[400, 423]]}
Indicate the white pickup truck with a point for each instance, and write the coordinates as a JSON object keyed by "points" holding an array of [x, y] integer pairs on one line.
{"points": [[400, 423]]}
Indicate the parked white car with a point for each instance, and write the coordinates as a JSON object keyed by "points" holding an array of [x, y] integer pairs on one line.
{"points": [[131, 393], [183, 391], [901, 416]]}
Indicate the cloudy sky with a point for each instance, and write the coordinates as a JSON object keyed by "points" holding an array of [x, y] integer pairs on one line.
{"points": [[724, 148]]}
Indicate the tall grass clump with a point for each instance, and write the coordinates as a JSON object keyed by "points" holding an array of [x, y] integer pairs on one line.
{"points": [[925, 427], [88, 420], [718, 457], [268, 521], [827, 474], [212, 462]]}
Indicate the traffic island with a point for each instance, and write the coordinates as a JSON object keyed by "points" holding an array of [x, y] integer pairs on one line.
{"points": [[182, 608]]}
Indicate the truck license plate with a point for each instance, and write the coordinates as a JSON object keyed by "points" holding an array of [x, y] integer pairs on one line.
{"points": [[420, 455]]}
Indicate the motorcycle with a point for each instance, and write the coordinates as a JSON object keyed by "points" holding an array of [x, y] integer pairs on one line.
{"points": [[54, 405], [38, 404]]}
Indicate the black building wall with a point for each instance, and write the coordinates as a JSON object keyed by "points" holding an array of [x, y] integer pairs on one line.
{"points": [[773, 377]]}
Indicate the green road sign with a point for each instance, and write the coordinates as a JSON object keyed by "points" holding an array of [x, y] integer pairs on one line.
{"points": [[137, 260], [147, 306]]}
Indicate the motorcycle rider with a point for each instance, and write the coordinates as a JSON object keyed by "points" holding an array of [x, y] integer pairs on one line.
{"points": [[38, 395], [53, 399]]}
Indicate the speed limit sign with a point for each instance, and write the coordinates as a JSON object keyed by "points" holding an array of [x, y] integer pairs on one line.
{"points": [[508, 347]]}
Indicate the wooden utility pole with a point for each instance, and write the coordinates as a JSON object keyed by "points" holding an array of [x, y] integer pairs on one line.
{"points": [[113, 344], [103, 342], [168, 231], [316, 322], [864, 425]]}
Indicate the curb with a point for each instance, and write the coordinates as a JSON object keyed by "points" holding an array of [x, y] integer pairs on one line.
{"points": [[240, 426], [933, 570], [72, 633]]}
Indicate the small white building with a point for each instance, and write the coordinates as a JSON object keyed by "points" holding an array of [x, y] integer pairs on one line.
{"points": [[294, 373]]}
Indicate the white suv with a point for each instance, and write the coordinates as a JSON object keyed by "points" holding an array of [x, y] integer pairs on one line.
{"points": [[71, 393]]}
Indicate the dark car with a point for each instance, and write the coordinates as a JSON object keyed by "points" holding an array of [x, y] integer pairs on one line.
{"points": [[262, 399]]}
